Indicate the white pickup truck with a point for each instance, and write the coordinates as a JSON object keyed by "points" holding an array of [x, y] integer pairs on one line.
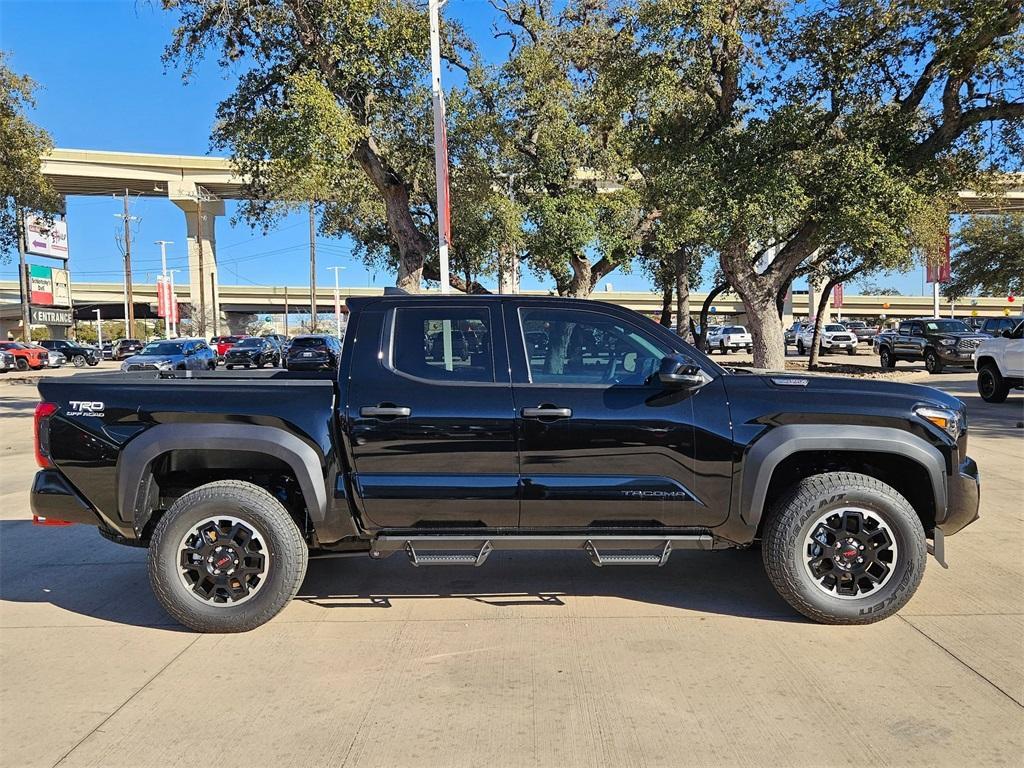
{"points": [[1000, 365], [727, 338], [834, 337]]}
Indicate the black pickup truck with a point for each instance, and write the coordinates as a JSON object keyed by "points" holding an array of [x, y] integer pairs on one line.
{"points": [[939, 342], [551, 423]]}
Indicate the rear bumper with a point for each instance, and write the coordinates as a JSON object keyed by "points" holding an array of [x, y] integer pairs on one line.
{"points": [[54, 498], [964, 498]]}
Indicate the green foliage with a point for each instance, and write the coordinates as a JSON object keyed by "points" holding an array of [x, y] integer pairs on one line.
{"points": [[988, 259], [22, 144]]}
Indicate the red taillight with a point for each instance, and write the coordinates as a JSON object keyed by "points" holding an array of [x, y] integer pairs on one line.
{"points": [[37, 520], [42, 433]]}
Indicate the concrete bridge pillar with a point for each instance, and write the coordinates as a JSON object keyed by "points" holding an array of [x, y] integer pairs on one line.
{"points": [[201, 212]]}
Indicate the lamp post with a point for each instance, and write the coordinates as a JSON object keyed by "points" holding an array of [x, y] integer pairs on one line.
{"points": [[99, 332], [440, 145], [337, 299], [163, 271], [174, 304]]}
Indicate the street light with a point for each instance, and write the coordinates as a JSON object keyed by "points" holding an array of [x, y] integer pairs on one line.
{"points": [[99, 331], [173, 309], [337, 299], [440, 145]]}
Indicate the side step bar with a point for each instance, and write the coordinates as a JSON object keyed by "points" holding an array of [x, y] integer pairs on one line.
{"points": [[425, 550]]}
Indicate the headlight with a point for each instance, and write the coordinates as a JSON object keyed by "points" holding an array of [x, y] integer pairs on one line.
{"points": [[943, 418], [164, 365], [947, 342]]}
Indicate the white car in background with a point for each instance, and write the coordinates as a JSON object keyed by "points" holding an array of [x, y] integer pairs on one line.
{"points": [[727, 338], [1000, 364], [834, 337]]}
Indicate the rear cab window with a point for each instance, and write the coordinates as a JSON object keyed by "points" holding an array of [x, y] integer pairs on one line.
{"points": [[443, 343]]}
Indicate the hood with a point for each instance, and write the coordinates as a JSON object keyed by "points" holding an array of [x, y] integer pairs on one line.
{"points": [[152, 359], [846, 394]]}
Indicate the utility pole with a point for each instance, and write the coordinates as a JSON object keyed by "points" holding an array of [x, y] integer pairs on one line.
{"points": [[440, 146], [23, 281], [216, 304], [337, 299], [99, 331], [286, 310], [312, 269], [129, 317], [163, 271]]}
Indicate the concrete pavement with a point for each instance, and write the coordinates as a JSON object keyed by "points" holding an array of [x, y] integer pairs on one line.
{"points": [[536, 659]]}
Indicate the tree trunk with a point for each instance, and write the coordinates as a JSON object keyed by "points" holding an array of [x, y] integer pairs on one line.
{"points": [[666, 306], [702, 335], [759, 293], [413, 245], [682, 267]]}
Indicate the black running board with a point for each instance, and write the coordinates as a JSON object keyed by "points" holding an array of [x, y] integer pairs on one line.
{"points": [[426, 550]]}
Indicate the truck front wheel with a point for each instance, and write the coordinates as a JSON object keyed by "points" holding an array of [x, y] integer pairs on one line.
{"points": [[844, 548], [226, 557]]}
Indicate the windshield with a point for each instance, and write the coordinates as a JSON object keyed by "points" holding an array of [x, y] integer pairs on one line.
{"points": [[947, 326], [11, 345], [835, 328], [310, 341], [249, 343], [162, 348]]}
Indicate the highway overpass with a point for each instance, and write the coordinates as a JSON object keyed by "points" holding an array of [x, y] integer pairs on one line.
{"points": [[239, 303]]}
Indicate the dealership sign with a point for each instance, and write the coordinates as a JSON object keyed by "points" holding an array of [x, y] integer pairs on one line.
{"points": [[49, 316], [46, 238], [49, 286]]}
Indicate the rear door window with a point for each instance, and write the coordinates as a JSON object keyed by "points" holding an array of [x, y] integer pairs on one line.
{"points": [[443, 343]]}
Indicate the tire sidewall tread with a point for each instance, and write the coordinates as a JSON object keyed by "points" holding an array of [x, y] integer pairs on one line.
{"points": [[782, 546], [288, 556]]}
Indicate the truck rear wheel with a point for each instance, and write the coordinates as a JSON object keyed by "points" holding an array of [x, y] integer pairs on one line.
{"points": [[991, 385], [226, 557], [844, 548]]}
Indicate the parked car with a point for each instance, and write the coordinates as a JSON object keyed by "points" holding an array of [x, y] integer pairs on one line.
{"points": [[634, 449], [726, 338], [790, 334], [107, 350], [864, 332], [313, 352], [940, 342], [253, 351], [996, 326], [7, 362], [834, 337], [80, 355], [26, 356], [125, 348], [282, 341], [172, 355], [221, 344], [999, 362], [57, 359]]}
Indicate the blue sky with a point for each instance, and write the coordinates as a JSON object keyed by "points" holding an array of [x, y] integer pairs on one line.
{"points": [[102, 86]]}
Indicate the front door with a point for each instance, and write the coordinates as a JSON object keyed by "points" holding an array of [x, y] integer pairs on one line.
{"points": [[602, 442], [431, 424]]}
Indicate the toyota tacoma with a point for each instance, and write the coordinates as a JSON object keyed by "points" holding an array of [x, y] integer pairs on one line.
{"points": [[566, 425]]}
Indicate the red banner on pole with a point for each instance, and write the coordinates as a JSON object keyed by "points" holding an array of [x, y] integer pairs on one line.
{"points": [[837, 295], [938, 268], [162, 302]]}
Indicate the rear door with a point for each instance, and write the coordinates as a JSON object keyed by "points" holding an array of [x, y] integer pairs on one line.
{"points": [[430, 420], [602, 444]]}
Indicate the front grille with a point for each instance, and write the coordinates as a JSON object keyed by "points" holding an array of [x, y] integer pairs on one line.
{"points": [[842, 338], [142, 367], [968, 343]]}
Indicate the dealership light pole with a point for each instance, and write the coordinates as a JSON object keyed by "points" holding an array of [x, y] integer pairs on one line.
{"points": [[337, 299], [163, 267], [26, 295], [99, 331], [174, 303], [440, 145]]}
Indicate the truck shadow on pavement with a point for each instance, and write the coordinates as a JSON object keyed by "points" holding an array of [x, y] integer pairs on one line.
{"points": [[76, 571]]}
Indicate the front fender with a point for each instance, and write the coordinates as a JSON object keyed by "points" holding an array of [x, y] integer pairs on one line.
{"points": [[766, 454]]}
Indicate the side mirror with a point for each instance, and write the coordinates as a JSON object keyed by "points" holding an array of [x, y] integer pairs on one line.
{"points": [[1007, 334], [680, 372]]}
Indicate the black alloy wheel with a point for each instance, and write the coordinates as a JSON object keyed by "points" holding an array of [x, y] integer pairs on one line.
{"points": [[991, 385], [932, 363]]}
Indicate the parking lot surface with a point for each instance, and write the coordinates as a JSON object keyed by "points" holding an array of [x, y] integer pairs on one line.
{"points": [[535, 659]]}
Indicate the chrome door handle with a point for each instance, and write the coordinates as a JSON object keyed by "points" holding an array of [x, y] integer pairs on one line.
{"points": [[379, 411], [549, 412]]}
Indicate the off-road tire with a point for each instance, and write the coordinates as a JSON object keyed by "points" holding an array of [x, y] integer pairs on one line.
{"points": [[932, 363], [78, 361], [800, 347], [22, 364], [991, 385], [851, 352], [790, 522], [287, 556], [886, 359]]}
